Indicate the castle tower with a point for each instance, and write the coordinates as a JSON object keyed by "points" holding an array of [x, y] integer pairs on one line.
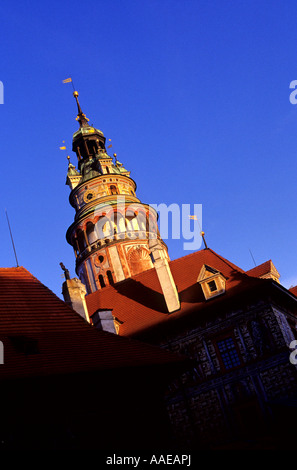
{"points": [[112, 228]]}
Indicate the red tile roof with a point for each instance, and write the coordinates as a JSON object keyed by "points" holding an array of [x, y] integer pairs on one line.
{"points": [[138, 302], [33, 319], [293, 290], [262, 269]]}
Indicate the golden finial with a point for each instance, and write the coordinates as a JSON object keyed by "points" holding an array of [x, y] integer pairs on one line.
{"points": [[81, 117], [204, 241]]}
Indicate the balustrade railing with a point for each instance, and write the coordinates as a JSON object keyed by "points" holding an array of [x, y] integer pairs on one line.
{"points": [[127, 235]]}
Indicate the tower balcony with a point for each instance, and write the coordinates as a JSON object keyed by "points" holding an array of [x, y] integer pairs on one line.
{"points": [[113, 238]]}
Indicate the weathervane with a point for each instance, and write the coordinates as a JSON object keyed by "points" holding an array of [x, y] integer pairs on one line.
{"points": [[69, 80]]}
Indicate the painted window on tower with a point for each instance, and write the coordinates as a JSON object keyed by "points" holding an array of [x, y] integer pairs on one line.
{"points": [[139, 259], [113, 189]]}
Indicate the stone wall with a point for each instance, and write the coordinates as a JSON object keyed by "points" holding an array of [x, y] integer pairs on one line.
{"points": [[211, 405]]}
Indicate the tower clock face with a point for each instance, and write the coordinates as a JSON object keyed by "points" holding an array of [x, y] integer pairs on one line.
{"points": [[89, 195]]}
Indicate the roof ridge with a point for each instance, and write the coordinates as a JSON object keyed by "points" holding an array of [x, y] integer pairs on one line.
{"points": [[261, 264], [229, 263], [47, 290], [189, 254], [13, 267]]}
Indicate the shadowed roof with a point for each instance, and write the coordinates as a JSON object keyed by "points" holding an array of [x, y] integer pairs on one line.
{"points": [[42, 335]]}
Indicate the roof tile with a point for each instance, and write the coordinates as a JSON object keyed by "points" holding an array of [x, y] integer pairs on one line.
{"points": [[59, 339]]}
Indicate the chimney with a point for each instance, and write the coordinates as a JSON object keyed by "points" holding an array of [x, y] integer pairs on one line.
{"points": [[163, 270], [74, 292], [103, 320]]}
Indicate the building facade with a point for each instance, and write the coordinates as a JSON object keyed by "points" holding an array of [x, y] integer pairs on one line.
{"points": [[237, 329]]}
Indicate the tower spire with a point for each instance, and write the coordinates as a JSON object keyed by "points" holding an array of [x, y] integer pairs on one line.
{"points": [[81, 117], [112, 227]]}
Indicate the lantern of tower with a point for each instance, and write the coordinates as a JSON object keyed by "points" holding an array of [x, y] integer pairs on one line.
{"points": [[112, 227]]}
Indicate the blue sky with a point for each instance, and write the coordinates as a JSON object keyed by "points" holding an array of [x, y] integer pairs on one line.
{"points": [[193, 94]]}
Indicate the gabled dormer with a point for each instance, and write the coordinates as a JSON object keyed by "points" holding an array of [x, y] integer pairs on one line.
{"points": [[265, 270], [212, 282]]}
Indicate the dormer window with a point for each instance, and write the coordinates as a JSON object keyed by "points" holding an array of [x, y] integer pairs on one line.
{"points": [[212, 286], [212, 282]]}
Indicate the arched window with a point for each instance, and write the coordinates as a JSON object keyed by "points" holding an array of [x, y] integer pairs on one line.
{"points": [[103, 228], [150, 224], [81, 240], [141, 220], [135, 223], [101, 280], [107, 229], [91, 235], [132, 222], [119, 221], [113, 189], [110, 278]]}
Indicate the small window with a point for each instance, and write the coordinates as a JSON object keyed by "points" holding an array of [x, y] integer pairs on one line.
{"points": [[113, 189], [213, 283], [110, 278], [101, 280], [228, 353], [212, 286]]}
